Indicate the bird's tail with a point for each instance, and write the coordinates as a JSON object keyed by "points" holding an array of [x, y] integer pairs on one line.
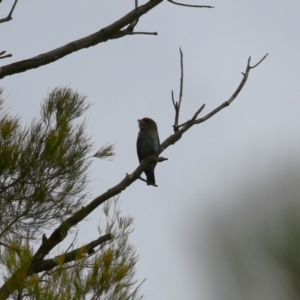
{"points": [[150, 176]]}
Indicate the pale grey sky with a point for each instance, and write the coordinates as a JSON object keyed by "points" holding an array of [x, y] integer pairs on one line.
{"points": [[132, 78]]}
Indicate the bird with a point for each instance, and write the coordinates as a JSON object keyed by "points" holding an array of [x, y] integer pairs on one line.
{"points": [[147, 144]]}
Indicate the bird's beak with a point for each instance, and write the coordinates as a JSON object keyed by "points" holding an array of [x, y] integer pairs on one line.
{"points": [[141, 122]]}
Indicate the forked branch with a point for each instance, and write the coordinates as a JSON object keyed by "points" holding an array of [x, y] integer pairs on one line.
{"points": [[122, 27], [59, 234], [9, 16], [112, 31], [235, 94], [172, 139], [4, 56], [73, 255]]}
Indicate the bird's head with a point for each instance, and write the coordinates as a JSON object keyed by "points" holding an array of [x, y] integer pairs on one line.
{"points": [[147, 124]]}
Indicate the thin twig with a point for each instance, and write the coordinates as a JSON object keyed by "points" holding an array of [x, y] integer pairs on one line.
{"points": [[131, 26], [161, 159], [188, 5], [5, 56], [258, 62], [127, 31], [134, 293], [194, 116], [198, 112], [236, 92], [73, 242], [136, 32], [172, 95], [9, 17], [181, 80], [178, 104], [172, 139]]}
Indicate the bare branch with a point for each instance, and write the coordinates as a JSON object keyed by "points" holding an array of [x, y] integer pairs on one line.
{"points": [[131, 26], [16, 280], [172, 94], [112, 31], [141, 32], [188, 5], [194, 117], [198, 112], [73, 242], [258, 62], [9, 16], [4, 56], [127, 32], [178, 104], [172, 139], [234, 95]]}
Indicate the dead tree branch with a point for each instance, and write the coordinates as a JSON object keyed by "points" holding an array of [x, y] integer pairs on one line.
{"points": [[9, 16], [172, 139], [110, 32], [16, 281], [127, 32], [234, 95], [4, 56], [61, 232], [131, 26], [189, 5], [178, 103]]}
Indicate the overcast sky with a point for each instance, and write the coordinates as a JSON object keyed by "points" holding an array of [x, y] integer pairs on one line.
{"points": [[131, 78]]}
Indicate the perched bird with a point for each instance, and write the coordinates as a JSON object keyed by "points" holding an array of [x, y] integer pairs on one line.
{"points": [[147, 144]]}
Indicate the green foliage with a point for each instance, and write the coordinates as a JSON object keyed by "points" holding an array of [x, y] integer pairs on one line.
{"points": [[43, 167], [43, 180], [106, 152], [107, 274]]}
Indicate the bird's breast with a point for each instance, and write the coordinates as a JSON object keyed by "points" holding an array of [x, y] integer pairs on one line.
{"points": [[147, 144]]}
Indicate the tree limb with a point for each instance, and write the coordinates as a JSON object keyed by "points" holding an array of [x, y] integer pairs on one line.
{"points": [[234, 95], [112, 31], [73, 255], [9, 16], [61, 232], [172, 139], [58, 235]]}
